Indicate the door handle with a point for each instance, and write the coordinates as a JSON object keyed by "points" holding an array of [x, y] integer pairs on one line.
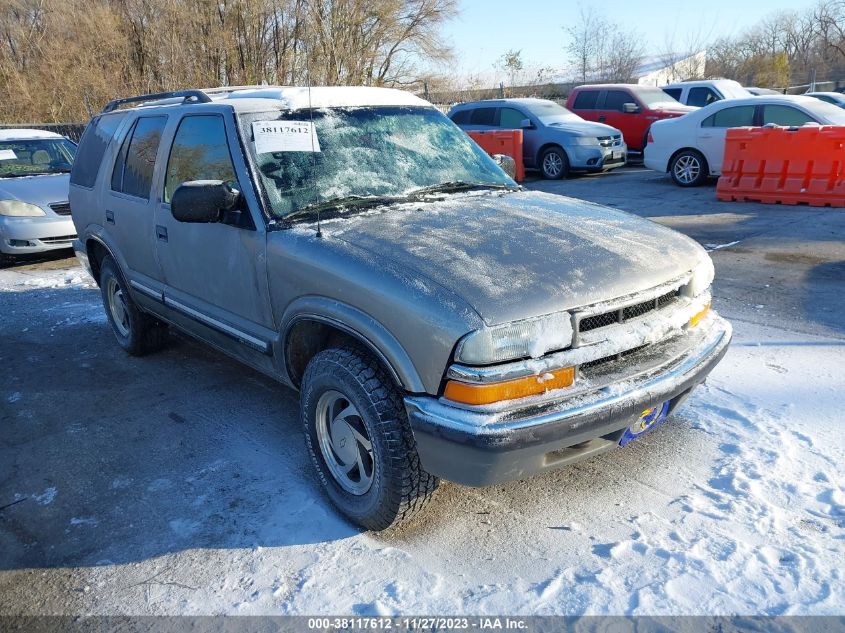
{"points": [[109, 216], [602, 118], [161, 232]]}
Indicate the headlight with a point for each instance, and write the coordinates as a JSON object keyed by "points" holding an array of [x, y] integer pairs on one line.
{"points": [[529, 338], [702, 277], [589, 141], [20, 209]]}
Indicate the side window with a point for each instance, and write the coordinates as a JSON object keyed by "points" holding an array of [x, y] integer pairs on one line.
{"points": [[96, 138], [461, 117], [483, 116], [586, 100], [785, 115], [200, 152], [510, 118], [675, 93], [615, 99], [701, 97], [133, 170], [738, 116]]}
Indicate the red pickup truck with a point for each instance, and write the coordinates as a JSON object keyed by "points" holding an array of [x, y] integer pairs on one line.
{"points": [[628, 107]]}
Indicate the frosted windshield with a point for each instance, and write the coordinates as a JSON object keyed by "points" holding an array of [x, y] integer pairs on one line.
{"points": [[367, 152]]}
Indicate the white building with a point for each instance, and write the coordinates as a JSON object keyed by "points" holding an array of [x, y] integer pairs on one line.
{"points": [[667, 69]]}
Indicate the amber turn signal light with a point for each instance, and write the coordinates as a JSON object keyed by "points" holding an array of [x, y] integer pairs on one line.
{"points": [[697, 317], [488, 393]]}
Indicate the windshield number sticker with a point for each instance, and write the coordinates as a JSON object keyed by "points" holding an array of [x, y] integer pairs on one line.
{"points": [[285, 136], [7, 154]]}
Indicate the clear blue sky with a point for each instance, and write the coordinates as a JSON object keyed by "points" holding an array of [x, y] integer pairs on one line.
{"points": [[487, 28]]}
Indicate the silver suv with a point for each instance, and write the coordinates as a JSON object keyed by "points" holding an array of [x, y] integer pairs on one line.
{"points": [[353, 243]]}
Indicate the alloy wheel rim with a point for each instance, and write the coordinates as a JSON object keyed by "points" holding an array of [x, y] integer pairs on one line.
{"points": [[117, 307], [345, 444], [687, 169], [552, 164]]}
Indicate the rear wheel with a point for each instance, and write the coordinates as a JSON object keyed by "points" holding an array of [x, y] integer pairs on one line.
{"points": [[136, 332], [359, 439], [689, 168], [554, 163]]}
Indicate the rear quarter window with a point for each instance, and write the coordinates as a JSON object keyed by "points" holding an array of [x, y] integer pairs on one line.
{"points": [[92, 146]]}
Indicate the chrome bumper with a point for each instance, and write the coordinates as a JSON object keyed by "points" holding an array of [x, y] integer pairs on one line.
{"points": [[485, 447]]}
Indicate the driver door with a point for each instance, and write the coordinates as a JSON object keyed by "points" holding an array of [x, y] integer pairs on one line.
{"points": [[215, 274]]}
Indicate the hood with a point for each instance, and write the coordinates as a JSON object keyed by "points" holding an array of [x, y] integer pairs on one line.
{"points": [[40, 190], [516, 255], [585, 128]]}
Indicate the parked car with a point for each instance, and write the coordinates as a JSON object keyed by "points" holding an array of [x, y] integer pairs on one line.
{"points": [[702, 93], [836, 98], [627, 107], [691, 148], [437, 320], [554, 139], [762, 92], [34, 210]]}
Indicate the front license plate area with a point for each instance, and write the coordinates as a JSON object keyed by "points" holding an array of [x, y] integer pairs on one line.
{"points": [[650, 418], [617, 154]]}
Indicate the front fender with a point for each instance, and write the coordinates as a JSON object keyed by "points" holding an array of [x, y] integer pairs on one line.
{"points": [[359, 325]]}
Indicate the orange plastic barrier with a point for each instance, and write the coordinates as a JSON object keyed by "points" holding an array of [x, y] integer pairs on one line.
{"points": [[781, 165], [507, 142]]}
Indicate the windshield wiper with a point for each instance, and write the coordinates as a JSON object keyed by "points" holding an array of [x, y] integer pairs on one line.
{"points": [[334, 204], [13, 174], [458, 185]]}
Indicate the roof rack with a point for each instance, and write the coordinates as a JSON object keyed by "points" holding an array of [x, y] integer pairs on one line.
{"points": [[187, 95]]}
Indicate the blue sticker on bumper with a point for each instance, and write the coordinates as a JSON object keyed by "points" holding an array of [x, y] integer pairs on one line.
{"points": [[649, 419]]}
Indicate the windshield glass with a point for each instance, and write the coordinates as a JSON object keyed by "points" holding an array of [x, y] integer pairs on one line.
{"points": [[366, 152], [550, 112], [29, 157], [826, 112], [655, 97]]}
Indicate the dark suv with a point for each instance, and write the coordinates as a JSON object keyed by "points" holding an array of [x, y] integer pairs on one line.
{"points": [[356, 245]]}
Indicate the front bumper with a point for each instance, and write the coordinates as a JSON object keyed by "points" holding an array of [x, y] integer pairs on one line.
{"points": [[483, 448], [21, 235], [586, 158]]}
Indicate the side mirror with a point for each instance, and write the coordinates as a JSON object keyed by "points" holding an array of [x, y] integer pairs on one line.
{"points": [[630, 108], [203, 201], [507, 164], [526, 124]]}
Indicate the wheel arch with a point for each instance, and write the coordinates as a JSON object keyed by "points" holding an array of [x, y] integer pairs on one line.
{"points": [[546, 146], [317, 323]]}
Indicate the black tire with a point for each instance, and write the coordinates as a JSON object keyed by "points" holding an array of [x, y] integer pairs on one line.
{"points": [[138, 333], [689, 168], [6, 260], [554, 163], [399, 487]]}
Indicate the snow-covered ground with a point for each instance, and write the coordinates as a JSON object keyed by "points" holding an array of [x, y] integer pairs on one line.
{"points": [[735, 506]]}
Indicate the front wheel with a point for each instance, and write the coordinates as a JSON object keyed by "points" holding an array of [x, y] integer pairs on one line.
{"points": [[554, 164], [360, 442], [689, 169]]}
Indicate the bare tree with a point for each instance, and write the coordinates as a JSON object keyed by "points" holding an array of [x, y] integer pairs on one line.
{"points": [[602, 50]]}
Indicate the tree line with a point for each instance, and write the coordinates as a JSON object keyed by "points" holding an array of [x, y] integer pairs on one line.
{"points": [[62, 60]]}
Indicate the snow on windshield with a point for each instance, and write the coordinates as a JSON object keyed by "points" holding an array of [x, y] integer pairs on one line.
{"points": [[550, 112], [370, 152]]}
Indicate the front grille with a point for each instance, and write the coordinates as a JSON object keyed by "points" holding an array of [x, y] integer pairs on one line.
{"points": [[57, 240], [62, 208], [585, 367], [610, 141], [625, 314]]}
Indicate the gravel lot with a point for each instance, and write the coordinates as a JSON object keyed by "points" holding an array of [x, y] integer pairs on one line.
{"points": [[178, 483]]}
